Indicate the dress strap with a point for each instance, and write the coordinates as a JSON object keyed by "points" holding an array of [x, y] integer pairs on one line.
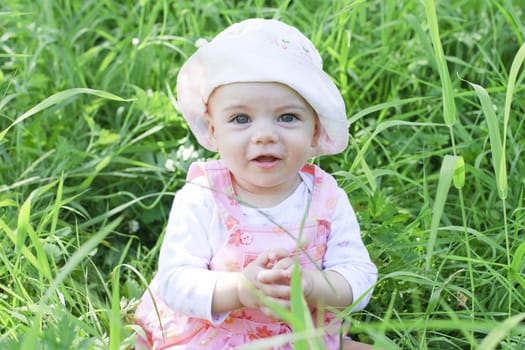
{"points": [[324, 193], [220, 184]]}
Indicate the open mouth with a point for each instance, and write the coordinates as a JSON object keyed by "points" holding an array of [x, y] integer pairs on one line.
{"points": [[265, 159]]}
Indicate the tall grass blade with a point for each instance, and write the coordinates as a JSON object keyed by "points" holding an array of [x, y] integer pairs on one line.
{"points": [[495, 336], [381, 106], [459, 173], [115, 318], [58, 202], [497, 150], [300, 309], [26, 253], [79, 255], [57, 98], [25, 229], [445, 179], [511, 84], [114, 323], [449, 105], [23, 222], [516, 265], [380, 128], [298, 306], [31, 338]]}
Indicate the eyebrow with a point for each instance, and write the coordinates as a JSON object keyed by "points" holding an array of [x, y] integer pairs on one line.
{"points": [[283, 106], [295, 106], [286, 106], [236, 106]]}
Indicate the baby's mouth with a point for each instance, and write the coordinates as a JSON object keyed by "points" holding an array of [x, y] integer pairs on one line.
{"points": [[266, 159]]}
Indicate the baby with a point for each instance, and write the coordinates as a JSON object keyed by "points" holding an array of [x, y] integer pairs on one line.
{"points": [[258, 96]]}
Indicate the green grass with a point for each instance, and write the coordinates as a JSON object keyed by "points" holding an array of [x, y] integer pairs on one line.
{"points": [[92, 151]]}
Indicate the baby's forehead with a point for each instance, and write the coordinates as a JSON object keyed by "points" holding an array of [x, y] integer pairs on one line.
{"points": [[254, 92], [257, 87]]}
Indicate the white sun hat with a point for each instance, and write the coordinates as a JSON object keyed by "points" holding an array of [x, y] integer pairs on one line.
{"points": [[262, 50]]}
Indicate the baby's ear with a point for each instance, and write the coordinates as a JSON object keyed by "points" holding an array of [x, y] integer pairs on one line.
{"points": [[209, 122], [211, 128], [317, 131]]}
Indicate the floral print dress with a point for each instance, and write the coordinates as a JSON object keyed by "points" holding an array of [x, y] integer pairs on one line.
{"points": [[166, 329]]}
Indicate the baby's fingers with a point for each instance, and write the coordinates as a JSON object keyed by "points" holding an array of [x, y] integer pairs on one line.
{"points": [[270, 257], [274, 276], [279, 291], [283, 264], [269, 311], [278, 253]]}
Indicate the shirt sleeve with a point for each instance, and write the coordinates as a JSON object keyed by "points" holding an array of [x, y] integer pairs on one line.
{"points": [[347, 254], [185, 282]]}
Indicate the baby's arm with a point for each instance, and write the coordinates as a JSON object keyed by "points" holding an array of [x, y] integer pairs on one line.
{"points": [[326, 288], [346, 259], [184, 279]]}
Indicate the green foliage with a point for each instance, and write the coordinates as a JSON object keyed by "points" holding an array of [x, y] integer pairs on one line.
{"points": [[92, 150]]}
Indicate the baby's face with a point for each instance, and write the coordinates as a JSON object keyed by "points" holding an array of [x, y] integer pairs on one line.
{"points": [[264, 132]]}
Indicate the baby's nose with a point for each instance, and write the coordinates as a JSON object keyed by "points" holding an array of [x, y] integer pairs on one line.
{"points": [[265, 133]]}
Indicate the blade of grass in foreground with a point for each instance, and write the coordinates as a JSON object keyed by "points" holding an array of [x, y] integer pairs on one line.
{"points": [[57, 98], [115, 317], [299, 307], [493, 339], [498, 161], [31, 337], [517, 263], [25, 229], [449, 106], [496, 146], [511, 84], [448, 167]]}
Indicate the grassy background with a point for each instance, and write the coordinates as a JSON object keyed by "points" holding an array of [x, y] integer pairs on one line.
{"points": [[92, 151]]}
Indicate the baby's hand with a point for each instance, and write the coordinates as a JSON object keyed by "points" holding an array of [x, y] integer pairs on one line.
{"points": [[268, 275], [279, 272]]}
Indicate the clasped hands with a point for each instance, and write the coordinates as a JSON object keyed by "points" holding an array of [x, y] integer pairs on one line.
{"points": [[268, 277]]}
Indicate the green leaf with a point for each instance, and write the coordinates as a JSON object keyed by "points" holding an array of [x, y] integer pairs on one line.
{"points": [[459, 173], [511, 84], [516, 265], [79, 255], [26, 253], [495, 336], [449, 105], [57, 98], [445, 179], [23, 223], [497, 150], [298, 306]]}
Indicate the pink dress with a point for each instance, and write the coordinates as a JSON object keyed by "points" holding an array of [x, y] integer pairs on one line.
{"points": [[171, 330]]}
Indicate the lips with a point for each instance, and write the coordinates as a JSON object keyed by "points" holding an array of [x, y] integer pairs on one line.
{"points": [[266, 161]]}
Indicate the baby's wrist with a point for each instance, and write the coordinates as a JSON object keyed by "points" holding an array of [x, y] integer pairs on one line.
{"points": [[244, 287], [309, 286], [226, 293]]}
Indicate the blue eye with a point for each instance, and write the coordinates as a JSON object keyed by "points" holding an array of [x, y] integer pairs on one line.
{"points": [[241, 119], [288, 118]]}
